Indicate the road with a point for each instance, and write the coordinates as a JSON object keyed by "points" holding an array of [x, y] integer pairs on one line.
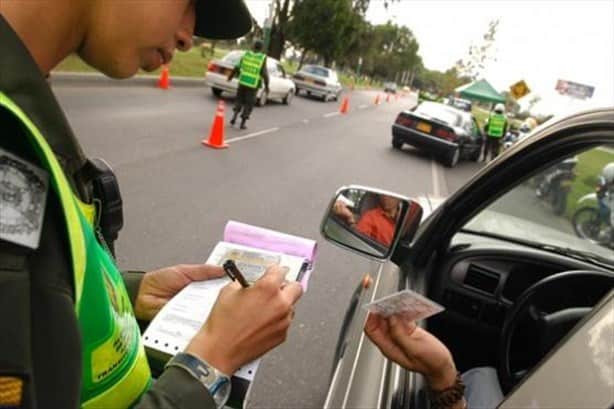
{"points": [[179, 194]]}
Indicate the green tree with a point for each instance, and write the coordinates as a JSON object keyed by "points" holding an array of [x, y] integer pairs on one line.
{"points": [[478, 56]]}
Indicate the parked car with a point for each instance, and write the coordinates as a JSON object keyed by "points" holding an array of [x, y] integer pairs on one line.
{"points": [[390, 87], [446, 132], [462, 104], [319, 81], [280, 86], [522, 293]]}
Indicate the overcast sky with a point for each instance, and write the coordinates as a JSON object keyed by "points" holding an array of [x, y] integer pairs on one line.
{"points": [[539, 41]]}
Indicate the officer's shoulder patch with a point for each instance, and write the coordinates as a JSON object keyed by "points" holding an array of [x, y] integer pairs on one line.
{"points": [[23, 194], [11, 391]]}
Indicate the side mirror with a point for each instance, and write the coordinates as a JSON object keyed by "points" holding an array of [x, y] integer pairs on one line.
{"points": [[370, 222]]}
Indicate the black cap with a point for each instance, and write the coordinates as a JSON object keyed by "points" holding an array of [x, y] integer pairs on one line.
{"points": [[222, 19]]}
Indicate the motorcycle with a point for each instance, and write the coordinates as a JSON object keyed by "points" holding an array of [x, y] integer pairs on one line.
{"points": [[592, 219], [555, 184]]}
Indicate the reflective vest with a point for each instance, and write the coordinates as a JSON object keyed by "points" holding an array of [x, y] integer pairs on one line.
{"points": [[496, 125], [250, 68], [115, 372]]}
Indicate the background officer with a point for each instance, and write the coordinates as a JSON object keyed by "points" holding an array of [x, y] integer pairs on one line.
{"points": [[495, 127], [69, 335], [251, 68]]}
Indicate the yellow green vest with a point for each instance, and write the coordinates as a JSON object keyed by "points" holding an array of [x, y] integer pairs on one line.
{"points": [[115, 372], [250, 67], [496, 125]]}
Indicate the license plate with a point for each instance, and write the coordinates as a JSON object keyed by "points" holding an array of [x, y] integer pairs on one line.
{"points": [[424, 127], [309, 80], [227, 71]]}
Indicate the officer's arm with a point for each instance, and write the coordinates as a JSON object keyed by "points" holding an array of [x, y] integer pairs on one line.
{"points": [[264, 73], [176, 389]]}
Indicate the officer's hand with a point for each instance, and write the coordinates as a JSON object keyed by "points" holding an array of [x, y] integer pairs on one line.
{"points": [[413, 348], [245, 323], [341, 210], [158, 287]]}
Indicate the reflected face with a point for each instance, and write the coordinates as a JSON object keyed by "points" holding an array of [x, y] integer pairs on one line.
{"points": [[389, 203], [125, 36]]}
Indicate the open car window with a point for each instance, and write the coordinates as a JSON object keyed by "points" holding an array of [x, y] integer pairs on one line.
{"points": [[566, 208]]}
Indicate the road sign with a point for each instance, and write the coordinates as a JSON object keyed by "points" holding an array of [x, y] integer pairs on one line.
{"points": [[575, 90], [519, 89]]}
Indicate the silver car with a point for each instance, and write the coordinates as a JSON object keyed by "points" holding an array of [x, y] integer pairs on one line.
{"points": [[522, 292], [280, 86], [318, 81]]}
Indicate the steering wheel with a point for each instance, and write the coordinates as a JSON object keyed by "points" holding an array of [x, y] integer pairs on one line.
{"points": [[549, 308]]}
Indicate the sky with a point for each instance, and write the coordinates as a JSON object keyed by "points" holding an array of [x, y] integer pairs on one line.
{"points": [[539, 41]]}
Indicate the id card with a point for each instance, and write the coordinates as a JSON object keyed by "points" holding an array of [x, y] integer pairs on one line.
{"points": [[411, 305]]}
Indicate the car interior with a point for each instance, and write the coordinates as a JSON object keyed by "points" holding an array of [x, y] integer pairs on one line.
{"points": [[509, 301]]}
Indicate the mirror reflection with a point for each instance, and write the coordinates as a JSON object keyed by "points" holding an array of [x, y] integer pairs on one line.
{"points": [[366, 221]]}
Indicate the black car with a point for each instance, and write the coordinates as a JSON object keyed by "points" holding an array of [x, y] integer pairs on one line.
{"points": [[442, 130]]}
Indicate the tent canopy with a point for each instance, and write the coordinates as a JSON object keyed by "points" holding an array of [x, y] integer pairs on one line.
{"points": [[481, 91]]}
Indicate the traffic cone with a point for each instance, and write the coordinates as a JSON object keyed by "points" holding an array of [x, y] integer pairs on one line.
{"points": [[377, 99], [164, 82], [387, 97], [216, 134], [345, 105]]}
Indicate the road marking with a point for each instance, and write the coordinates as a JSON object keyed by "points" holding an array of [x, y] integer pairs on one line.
{"points": [[252, 135], [330, 114], [362, 106], [305, 121], [439, 185]]}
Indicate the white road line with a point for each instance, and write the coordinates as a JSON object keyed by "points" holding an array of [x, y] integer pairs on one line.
{"points": [[252, 135], [305, 121], [362, 106], [435, 175], [330, 114], [440, 188]]}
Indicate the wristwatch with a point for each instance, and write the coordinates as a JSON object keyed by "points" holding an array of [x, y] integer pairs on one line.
{"points": [[216, 382]]}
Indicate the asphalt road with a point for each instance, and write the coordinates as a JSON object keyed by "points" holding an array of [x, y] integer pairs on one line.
{"points": [[179, 194]]}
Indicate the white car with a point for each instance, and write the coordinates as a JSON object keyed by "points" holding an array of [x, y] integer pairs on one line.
{"points": [[318, 81], [280, 87]]}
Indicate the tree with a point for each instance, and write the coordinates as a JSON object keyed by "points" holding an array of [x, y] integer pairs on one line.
{"points": [[479, 55], [322, 27]]}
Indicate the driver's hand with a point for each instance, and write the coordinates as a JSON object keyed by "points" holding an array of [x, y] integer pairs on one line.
{"points": [[413, 348], [245, 323]]}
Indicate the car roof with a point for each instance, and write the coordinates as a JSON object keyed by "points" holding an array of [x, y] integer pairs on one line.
{"points": [[464, 114], [243, 52]]}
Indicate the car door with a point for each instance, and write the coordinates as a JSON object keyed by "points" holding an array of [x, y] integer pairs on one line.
{"points": [[362, 377], [275, 79]]}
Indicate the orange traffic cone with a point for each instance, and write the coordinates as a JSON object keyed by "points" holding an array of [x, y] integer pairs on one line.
{"points": [[164, 82], [216, 135], [345, 105], [377, 99], [387, 97]]}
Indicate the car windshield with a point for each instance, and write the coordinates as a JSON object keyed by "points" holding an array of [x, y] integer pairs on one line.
{"points": [[233, 57], [566, 207], [439, 112], [319, 71]]}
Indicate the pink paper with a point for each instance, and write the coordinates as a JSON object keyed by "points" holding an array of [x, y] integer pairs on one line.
{"points": [[271, 240]]}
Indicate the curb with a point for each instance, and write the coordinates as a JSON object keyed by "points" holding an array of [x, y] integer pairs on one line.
{"points": [[95, 79]]}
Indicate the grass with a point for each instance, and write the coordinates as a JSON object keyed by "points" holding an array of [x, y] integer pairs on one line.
{"points": [[194, 64], [587, 171]]}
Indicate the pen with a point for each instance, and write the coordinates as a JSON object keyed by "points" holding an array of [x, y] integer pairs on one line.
{"points": [[233, 272]]}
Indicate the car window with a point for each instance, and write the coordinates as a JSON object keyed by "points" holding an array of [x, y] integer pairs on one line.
{"points": [[319, 71], [233, 57], [282, 72], [440, 112], [272, 68], [569, 205]]}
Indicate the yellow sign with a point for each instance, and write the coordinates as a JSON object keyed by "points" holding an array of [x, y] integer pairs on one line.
{"points": [[519, 89]]}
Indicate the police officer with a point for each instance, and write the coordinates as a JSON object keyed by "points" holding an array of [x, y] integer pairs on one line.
{"points": [[69, 335], [495, 127], [251, 68]]}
